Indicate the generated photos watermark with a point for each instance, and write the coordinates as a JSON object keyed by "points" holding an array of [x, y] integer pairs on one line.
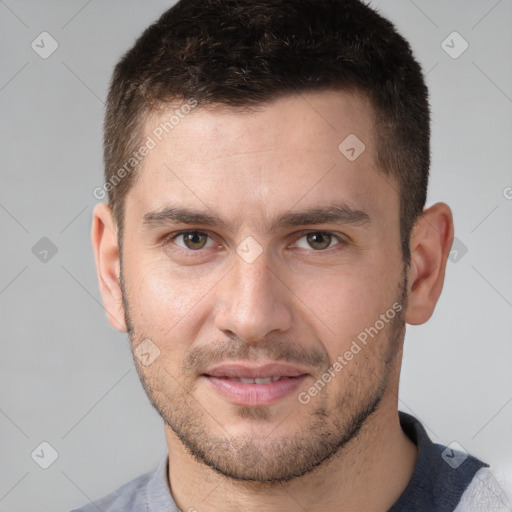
{"points": [[357, 345], [151, 142]]}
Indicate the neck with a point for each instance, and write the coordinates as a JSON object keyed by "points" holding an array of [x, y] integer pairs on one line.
{"points": [[369, 473]]}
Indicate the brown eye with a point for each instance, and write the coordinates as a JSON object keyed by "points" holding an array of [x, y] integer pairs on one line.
{"points": [[193, 240], [319, 241]]}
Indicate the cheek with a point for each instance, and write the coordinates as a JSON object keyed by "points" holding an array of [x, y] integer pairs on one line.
{"points": [[342, 305], [164, 305]]}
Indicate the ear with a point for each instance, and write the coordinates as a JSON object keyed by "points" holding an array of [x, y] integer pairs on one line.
{"points": [[106, 255], [431, 240]]}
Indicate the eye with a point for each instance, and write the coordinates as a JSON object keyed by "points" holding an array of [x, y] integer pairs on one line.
{"points": [[318, 240], [193, 240]]}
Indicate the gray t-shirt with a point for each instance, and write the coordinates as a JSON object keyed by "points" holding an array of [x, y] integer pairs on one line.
{"points": [[440, 477]]}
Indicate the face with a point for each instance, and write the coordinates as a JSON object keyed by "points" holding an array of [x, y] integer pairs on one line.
{"points": [[263, 264]]}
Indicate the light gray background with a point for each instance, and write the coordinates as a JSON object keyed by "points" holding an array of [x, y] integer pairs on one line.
{"points": [[67, 378]]}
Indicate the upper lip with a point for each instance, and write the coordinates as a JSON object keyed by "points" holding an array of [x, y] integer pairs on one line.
{"points": [[251, 371]]}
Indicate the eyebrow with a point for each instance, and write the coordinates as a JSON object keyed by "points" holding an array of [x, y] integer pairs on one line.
{"points": [[336, 213]]}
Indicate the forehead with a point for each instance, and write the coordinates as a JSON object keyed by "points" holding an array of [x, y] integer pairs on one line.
{"points": [[293, 123], [308, 148]]}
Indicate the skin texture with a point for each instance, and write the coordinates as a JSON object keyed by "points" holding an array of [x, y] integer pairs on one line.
{"points": [[303, 300]]}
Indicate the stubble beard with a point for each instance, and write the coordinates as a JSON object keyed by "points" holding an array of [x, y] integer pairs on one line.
{"points": [[325, 430]]}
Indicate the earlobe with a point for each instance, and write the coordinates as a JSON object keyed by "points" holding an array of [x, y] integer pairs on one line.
{"points": [[106, 255], [430, 244]]}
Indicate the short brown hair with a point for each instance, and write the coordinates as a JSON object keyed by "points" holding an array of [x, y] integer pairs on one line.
{"points": [[245, 52]]}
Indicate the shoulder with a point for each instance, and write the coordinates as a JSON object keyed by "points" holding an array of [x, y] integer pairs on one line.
{"points": [[130, 496], [489, 491]]}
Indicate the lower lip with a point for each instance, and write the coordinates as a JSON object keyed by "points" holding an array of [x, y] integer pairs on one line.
{"points": [[239, 393]]}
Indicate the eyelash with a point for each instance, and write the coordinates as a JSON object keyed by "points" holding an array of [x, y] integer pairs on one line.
{"points": [[190, 252]]}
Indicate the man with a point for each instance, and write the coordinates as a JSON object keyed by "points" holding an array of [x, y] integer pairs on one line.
{"points": [[264, 244]]}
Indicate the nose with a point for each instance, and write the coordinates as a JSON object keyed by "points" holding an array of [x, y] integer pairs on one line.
{"points": [[252, 301]]}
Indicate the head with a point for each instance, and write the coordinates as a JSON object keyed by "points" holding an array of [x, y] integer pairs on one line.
{"points": [[267, 165]]}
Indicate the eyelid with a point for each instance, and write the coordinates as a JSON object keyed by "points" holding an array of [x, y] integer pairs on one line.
{"points": [[340, 238], [172, 236]]}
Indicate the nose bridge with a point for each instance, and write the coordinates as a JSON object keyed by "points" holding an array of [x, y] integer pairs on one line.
{"points": [[253, 280], [253, 301]]}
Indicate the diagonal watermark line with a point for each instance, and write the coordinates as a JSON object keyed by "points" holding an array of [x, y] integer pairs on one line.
{"points": [[300, 299], [501, 409], [91, 295], [75, 15], [111, 388], [195, 400], [485, 218], [13, 423], [13, 279], [311, 188], [314, 109], [168, 168], [502, 496], [432, 68], [380, 174], [14, 485], [210, 493], [416, 415], [410, 408], [85, 85], [14, 76], [492, 81], [424, 13], [13, 218], [486, 14], [74, 218], [492, 286], [198, 301], [13, 13], [279, 424], [81, 490], [299, 504]]}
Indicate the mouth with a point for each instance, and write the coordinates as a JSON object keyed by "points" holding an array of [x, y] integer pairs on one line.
{"points": [[249, 385], [262, 380]]}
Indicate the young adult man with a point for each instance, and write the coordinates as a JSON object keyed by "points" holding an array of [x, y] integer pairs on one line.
{"points": [[264, 245]]}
